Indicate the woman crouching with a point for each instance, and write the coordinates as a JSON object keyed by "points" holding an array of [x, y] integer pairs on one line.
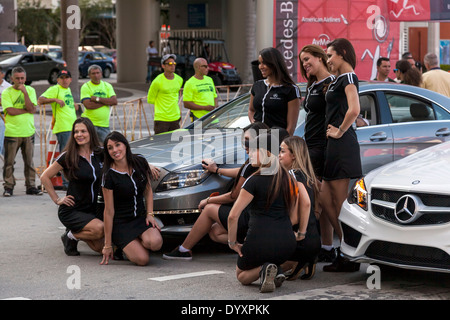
{"points": [[270, 194], [128, 219]]}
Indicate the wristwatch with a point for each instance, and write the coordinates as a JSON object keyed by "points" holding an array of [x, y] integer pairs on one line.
{"points": [[97, 99]]}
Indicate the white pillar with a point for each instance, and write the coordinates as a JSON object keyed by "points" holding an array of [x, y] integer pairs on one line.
{"points": [[433, 37]]}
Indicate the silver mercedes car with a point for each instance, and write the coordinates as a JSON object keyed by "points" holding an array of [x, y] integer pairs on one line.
{"points": [[401, 120]]}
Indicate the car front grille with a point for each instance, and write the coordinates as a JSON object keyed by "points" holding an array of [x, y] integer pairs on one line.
{"points": [[411, 255], [438, 212]]}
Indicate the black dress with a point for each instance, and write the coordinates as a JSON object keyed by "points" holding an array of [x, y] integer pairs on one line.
{"points": [[342, 158], [224, 209], [270, 237], [315, 130], [129, 207], [84, 188], [308, 248], [271, 103]]}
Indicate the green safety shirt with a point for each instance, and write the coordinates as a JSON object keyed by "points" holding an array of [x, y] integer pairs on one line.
{"points": [[22, 125], [99, 116], [201, 92], [163, 94], [64, 116]]}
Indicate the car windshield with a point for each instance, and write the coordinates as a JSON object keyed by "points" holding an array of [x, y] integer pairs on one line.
{"points": [[10, 58], [234, 115]]}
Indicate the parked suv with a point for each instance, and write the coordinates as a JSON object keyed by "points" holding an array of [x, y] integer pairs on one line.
{"points": [[10, 47]]}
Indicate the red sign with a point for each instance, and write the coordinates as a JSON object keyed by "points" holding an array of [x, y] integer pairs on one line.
{"points": [[366, 23]]}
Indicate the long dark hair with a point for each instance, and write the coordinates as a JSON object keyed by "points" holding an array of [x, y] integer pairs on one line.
{"points": [[134, 161], [71, 149], [344, 48], [258, 128], [411, 75], [275, 61]]}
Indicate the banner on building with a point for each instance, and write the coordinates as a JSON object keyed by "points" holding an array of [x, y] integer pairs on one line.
{"points": [[373, 27], [365, 23]]}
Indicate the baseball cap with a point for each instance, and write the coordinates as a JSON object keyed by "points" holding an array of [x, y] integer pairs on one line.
{"points": [[64, 73], [168, 56]]}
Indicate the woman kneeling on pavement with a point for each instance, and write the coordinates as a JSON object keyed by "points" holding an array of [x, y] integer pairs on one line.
{"points": [[294, 156], [270, 194], [215, 210], [78, 211], [129, 220]]}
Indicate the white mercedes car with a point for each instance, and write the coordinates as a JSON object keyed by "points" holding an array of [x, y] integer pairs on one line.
{"points": [[399, 214]]}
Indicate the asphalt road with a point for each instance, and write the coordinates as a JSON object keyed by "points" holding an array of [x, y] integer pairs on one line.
{"points": [[33, 266]]}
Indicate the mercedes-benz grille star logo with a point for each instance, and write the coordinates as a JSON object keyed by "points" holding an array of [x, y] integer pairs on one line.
{"points": [[406, 209]]}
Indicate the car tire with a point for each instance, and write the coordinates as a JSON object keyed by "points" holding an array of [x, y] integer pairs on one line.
{"points": [[216, 79], [53, 77], [106, 73]]}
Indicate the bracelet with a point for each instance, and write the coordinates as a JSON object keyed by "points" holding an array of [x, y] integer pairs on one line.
{"points": [[56, 201], [207, 200], [151, 213], [217, 170], [105, 247], [301, 234], [341, 129], [231, 244]]}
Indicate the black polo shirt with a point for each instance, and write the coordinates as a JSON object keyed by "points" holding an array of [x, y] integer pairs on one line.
{"points": [[271, 103]]}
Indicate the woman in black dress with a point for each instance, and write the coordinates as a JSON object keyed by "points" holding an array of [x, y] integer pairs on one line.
{"points": [[213, 218], [294, 156], [275, 100], [342, 158], [129, 220], [78, 211], [270, 195], [314, 68]]}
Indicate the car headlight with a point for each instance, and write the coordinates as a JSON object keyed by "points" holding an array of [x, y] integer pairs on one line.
{"points": [[359, 195], [183, 178]]}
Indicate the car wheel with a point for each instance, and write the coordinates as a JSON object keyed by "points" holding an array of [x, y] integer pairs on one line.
{"points": [[53, 77], [106, 73], [216, 79]]}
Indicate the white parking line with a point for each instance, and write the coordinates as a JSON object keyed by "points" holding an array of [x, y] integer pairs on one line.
{"points": [[186, 275]]}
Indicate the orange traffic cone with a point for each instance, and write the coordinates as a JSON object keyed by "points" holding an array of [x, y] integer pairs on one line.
{"points": [[51, 155]]}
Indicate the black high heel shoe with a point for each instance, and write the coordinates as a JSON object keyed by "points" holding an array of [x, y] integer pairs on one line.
{"points": [[310, 271], [296, 273]]}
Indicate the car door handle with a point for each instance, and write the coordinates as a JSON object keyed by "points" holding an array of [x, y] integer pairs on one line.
{"points": [[379, 136], [442, 132]]}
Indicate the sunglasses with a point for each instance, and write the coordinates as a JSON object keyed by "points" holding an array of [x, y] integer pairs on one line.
{"points": [[395, 70], [171, 63]]}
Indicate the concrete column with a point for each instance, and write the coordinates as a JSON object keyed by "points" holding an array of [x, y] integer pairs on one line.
{"points": [[240, 28], [137, 24], [433, 37], [264, 24]]}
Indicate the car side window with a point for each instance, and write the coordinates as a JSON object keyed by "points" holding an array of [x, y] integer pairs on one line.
{"points": [[97, 56], [27, 59], [409, 109], [40, 58], [367, 111], [441, 114]]}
